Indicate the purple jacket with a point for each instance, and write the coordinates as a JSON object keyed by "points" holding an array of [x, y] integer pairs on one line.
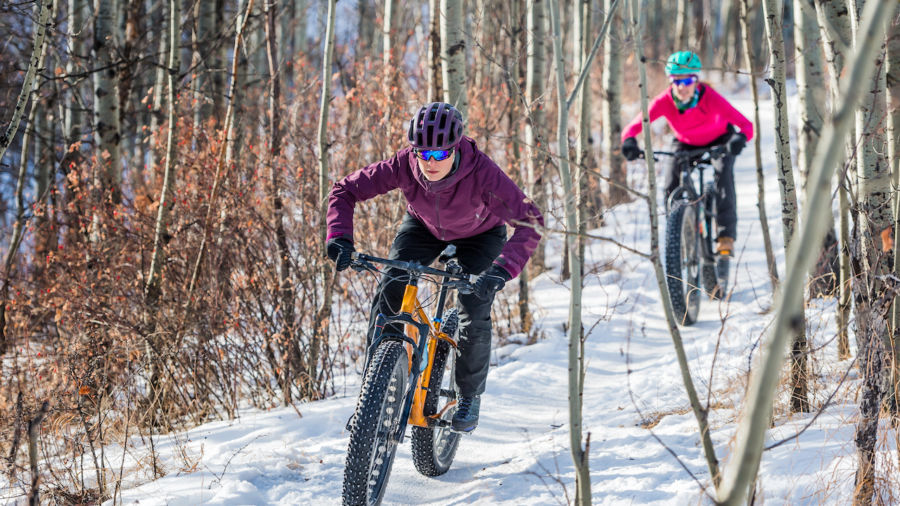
{"points": [[476, 198]]}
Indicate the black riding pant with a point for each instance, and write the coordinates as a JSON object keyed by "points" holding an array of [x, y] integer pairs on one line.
{"points": [[414, 242], [726, 214]]}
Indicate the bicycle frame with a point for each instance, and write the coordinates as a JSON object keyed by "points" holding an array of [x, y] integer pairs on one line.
{"points": [[689, 161], [420, 337]]}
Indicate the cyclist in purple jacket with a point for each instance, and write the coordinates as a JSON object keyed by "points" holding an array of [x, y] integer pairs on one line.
{"points": [[455, 195]]}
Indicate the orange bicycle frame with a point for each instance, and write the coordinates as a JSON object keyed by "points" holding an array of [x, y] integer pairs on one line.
{"points": [[412, 307]]}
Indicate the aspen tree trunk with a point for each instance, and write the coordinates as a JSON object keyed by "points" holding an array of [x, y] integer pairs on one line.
{"points": [[893, 133], [435, 74], [45, 164], [834, 22], [152, 288], [285, 276], [74, 118], [516, 21], [320, 336], [367, 26], [391, 55], [581, 13], [453, 55], [106, 103], [682, 26], [203, 56], [611, 110], [156, 100], [579, 453], [875, 214], [35, 64], [300, 8], [700, 413], [166, 203], [537, 150], [751, 432], [799, 400], [809, 77], [757, 127]]}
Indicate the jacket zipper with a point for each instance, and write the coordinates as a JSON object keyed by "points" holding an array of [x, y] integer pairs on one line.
{"points": [[437, 215]]}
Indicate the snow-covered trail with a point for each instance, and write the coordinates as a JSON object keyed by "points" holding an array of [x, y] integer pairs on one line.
{"points": [[519, 453]]}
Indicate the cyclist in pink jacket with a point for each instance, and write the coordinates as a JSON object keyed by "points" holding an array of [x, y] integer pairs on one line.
{"points": [[699, 117]]}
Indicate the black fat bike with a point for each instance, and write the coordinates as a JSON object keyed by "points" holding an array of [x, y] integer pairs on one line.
{"points": [[690, 255], [408, 380]]}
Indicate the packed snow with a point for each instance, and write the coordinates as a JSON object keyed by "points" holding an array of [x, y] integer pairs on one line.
{"points": [[644, 446]]}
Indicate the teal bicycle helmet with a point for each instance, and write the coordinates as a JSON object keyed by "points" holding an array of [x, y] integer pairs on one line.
{"points": [[683, 63]]}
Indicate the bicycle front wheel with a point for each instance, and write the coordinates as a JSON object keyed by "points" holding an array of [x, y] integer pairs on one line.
{"points": [[372, 439], [433, 448], [683, 262]]}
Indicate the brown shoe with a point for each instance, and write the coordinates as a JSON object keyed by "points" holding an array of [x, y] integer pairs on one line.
{"points": [[725, 246]]}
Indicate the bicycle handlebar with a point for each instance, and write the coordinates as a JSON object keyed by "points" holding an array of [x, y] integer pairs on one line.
{"points": [[714, 152], [464, 280]]}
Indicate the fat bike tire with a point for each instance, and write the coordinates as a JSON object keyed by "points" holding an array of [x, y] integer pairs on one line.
{"points": [[683, 262], [373, 443], [433, 448]]}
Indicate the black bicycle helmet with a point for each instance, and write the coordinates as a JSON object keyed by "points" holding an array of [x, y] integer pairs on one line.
{"points": [[437, 125]]}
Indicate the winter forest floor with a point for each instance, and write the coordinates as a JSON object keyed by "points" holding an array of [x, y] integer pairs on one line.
{"points": [[636, 421]]}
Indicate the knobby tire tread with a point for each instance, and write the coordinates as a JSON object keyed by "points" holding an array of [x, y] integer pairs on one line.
{"points": [[674, 270], [423, 438], [363, 433]]}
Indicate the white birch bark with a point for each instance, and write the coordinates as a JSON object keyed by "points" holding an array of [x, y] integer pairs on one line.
{"points": [[320, 326], [875, 214], [798, 401], [579, 453], [754, 422], [156, 100], [107, 133], [73, 124], [453, 55], [435, 74], [536, 149], [152, 288], [834, 21], [611, 109], [35, 64], [757, 149]]}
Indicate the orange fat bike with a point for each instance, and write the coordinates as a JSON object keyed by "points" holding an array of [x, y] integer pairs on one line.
{"points": [[408, 380]]}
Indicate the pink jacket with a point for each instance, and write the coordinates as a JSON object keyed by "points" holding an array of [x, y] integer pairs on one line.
{"points": [[699, 125]]}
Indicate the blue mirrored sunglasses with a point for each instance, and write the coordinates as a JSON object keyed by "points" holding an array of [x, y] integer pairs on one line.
{"points": [[684, 81], [437, 155]]}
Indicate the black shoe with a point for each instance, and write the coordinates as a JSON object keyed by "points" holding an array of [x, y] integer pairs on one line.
{"points": [[466, 417]]}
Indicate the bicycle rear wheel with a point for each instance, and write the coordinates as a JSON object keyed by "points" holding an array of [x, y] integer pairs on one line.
{"points": [[433, 448], [683, 262], [373, 445]]}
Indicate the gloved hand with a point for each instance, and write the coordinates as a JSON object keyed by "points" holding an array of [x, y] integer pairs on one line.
{"points": [[339, 250], [490, 282], [630, 149], [736, 143]]}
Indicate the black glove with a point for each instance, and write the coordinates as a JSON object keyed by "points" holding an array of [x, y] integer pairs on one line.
{"points": [[630, 149], [490, 282], [339, 250], [736, 143]]}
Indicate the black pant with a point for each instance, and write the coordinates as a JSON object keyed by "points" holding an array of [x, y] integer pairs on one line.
{"points": [[726, 214], [414, 242]]}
